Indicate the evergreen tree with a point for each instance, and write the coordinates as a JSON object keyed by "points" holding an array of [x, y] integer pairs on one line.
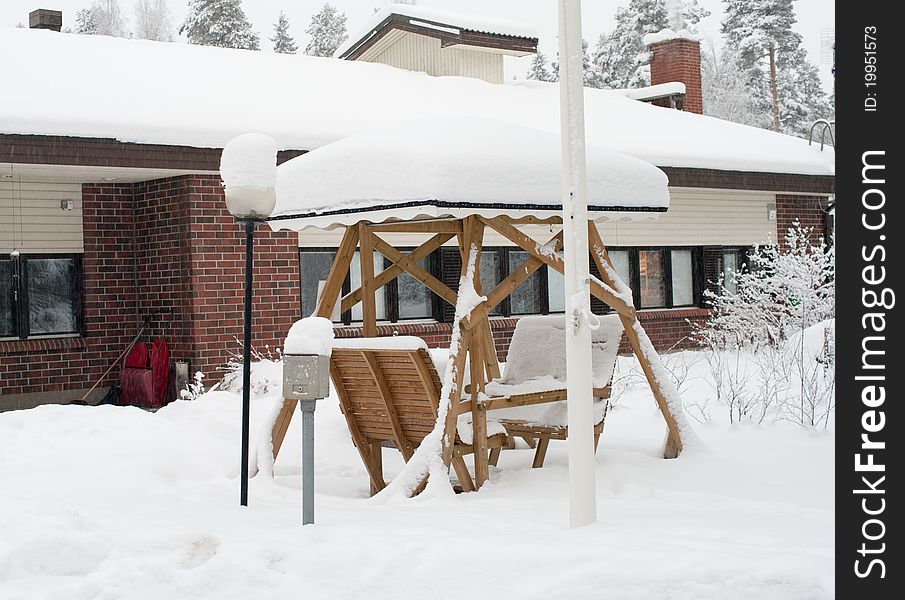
{"points": [[784, 83], [620, 58], [220, 23], [153, 20], [283, 43], [539, 70], [85, 23], [591, 77], [326, 32], [724, 89]]}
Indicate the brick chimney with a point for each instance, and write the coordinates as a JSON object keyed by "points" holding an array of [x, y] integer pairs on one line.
{"points": [[677, 57], [45, 19]]}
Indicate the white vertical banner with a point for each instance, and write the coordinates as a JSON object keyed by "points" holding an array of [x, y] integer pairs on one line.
{"points": [[582, 490]]}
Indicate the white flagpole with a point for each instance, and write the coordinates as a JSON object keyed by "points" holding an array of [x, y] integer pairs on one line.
{"points": [[582, 492]]}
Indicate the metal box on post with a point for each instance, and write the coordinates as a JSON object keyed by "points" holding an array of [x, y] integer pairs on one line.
{"points": [[306, 376]]}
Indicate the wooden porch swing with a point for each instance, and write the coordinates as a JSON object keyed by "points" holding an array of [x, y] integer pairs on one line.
{"points": [[476, 347]]}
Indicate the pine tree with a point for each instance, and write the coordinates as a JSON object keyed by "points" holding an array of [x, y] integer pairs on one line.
{"points": [[220, 23], [783, 82], [85, 23], [591, 77], [539, 70], [620, 58], [283, 43], [153, 20], [327, 32], [725, 90]]}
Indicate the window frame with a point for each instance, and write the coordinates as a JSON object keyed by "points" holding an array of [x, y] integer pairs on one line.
{"points": [[391, 289], [22, 303], [697, 274]]}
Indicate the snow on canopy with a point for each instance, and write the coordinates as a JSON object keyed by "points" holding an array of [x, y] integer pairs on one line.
{"points": [[211, 95], [454, 166], [468, 22]]}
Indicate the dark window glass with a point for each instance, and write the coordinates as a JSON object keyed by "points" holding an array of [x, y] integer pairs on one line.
{"points": [[623, 266], [556, 291], [730, 268], [52, 296], [314, 268], [682, 278], [491, 275], [379, 295], [525, 299], [414, 298], [652, 278], [7, 293]]}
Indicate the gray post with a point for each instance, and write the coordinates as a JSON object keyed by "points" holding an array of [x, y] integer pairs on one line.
{"points": [[307, 407]]}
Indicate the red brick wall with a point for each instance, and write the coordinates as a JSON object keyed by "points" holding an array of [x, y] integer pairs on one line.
{"points": [[679, 60], [170, 249], [162, 262], [54, 365], [217, 265], [810, 211]]}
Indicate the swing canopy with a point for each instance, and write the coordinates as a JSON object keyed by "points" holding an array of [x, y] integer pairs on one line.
{"points": [[455, 167], [447, 182]]}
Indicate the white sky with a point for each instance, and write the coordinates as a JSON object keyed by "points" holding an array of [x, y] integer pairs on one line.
{"points": [[598, 16]]}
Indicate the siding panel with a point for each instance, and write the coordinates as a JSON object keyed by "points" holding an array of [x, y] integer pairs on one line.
{"points": [[415, 52], [31, 218]]}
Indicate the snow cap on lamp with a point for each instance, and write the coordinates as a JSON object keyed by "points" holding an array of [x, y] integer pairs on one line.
{"points": [[248, 167]]}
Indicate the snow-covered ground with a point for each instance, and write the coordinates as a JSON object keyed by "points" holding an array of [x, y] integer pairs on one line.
{"points": [[108, 502]]}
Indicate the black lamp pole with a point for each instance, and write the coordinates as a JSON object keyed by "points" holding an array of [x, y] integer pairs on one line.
{"points": [[246, 359]]}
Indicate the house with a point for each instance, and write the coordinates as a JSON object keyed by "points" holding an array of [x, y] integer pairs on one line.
{"points": [[112, 212]]}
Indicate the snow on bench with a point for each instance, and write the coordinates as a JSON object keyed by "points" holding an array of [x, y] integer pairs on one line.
{"points": [[536, 362]]}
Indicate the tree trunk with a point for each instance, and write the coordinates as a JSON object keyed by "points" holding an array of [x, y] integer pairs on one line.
{"points": [[773, 91]]}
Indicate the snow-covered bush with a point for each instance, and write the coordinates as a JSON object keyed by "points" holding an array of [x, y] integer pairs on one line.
{"points": [[755, 340], [266, 371], [195, 388]]}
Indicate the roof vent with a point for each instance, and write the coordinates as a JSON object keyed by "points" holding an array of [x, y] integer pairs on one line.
{"points": [[45, 19]]}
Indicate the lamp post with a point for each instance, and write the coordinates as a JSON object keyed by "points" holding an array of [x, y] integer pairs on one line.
{"points": [[582, 492], [248, 169]]}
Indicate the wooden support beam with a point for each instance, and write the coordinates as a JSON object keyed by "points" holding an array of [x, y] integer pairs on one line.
{"points": [[412, 268], [673, 439], [554, 260], [373, 466], [386, 396], [329, 296], [508, 285], [338, 271], [396, 269], [368, 301], [453, 226], [282, 425]]}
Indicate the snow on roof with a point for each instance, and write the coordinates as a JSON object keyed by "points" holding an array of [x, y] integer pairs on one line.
{"points": [[652, 92], [664, 35], [177, 94], [454, 166], [469, 22]]}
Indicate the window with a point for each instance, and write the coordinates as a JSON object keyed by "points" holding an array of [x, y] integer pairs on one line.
{"points": [[652, 278], [682, 278], [731, 263], [526, 298], [403, 298], [491, 274], [314, 270], [40, 295], [659, 277], [413, 299]]}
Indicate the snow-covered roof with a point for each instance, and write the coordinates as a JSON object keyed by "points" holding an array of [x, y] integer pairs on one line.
{"points": [[436, 16], [654, 92], [177, 94], [665, 35], [454, 167]]}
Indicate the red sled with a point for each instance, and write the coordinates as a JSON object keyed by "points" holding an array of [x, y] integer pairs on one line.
{"points": [[144, 378]]}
